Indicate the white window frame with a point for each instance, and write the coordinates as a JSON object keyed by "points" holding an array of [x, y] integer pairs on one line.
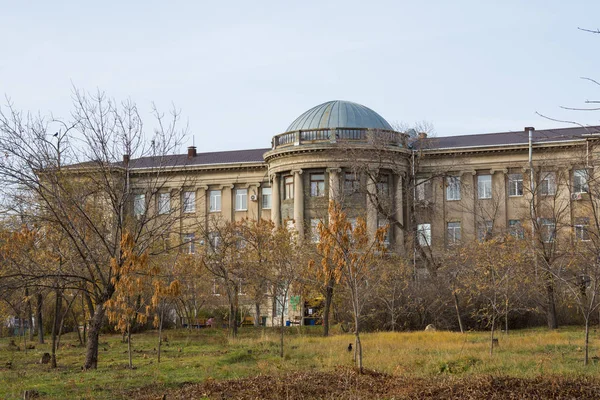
{"points": [[382, 222], [383, 186], [164, 203], [288, 187], [424, 235], [189, 201], [215, 201], [515, 185], [422, 188], [581, 230], [548, 184], [515, 228], [139, 204], [548, 229], [453, 233], [189, 240], [241, 199], [453, 188], [483, 228], [317, 185], [484, 186], [351, 182], [267, 196], [581, 181]]}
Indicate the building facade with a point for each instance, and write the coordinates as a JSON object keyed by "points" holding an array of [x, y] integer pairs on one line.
{"points": [[432, 193]]}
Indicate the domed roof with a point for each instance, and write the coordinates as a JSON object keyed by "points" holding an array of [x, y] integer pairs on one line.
{"points": [[339, 114]]}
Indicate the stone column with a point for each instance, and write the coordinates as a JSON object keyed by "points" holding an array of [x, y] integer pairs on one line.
{"points": [[202, 206], [399, 213], [299, 203], [275, 201], [227, 202], [371, 206], [334, 184]]}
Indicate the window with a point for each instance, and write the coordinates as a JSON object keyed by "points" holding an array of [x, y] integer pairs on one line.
{"points": [[424, 234], [289, 187], [547, 229], [216, 288], [317, 185], [351, 183], [241, 199], [214, 240], [484, 230], [580, 181], [383, 186], [266, 197], [139, 204], [164, 203], [215, 200], [314, 230], [515, 184], [423, 190], [453, 188], [582, 233], [484, 186], [353, 223], [548, 184], [189, 244], [453, 233], [516, 229], [189, 202], [383, 223]]}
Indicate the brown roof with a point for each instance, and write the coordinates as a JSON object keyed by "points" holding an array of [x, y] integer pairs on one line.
{"points": [[511, 138], [213, 158]]}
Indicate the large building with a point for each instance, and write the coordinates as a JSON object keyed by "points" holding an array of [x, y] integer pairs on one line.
{"points": [[431, 192]]}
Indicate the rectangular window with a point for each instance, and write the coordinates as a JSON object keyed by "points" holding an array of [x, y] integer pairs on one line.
{"points": [[164, 203], [580, 181], [453, 188], [351, 183], [516, 229], [547, 229], [581, 226], [484, 230], [484, 186], [289, 187], [189, 243], [383, 186], [317, 185], [515, 185], [214, 239], [548, 184], [241, 199], [139, 204], [314, 230], [453, 233], [189, 202], [423, 190], [266, 197], [424, 234], [384, 223], [215, 200]]}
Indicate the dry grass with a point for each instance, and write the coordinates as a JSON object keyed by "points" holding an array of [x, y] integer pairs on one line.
{"points": [[441, 360]]}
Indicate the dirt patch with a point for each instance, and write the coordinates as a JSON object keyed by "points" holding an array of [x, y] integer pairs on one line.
{"points": [[345, 383]]}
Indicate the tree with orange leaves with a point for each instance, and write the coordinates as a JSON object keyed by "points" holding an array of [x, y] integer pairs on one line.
{"points": [[352, 255]]}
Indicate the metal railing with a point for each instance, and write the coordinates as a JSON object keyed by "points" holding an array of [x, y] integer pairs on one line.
{"points": [[334, 135]]}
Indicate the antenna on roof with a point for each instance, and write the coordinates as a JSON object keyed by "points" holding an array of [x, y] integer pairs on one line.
{"points": [[194, 141]]}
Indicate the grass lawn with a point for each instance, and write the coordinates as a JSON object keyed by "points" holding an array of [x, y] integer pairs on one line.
{"points": [[208, 354]]}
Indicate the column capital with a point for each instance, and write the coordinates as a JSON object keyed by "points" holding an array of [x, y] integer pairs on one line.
{"points": [[472, 172], [335, 170], [503, 170], [203, 187], [229, 186], [297, 171]]}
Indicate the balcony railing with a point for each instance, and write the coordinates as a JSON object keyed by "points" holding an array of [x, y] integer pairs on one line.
{"points": [[342, 135]]}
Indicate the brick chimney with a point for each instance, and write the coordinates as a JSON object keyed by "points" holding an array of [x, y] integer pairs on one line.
{"points": [[192, 152]]}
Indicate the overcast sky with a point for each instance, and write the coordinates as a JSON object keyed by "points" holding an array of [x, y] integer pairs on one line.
{"points": [[242, 71]]}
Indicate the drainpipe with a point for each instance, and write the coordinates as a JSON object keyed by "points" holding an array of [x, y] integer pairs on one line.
{"points": [[530, 130]]}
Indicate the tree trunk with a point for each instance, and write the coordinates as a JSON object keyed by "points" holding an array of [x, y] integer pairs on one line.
{"points": [[587, 341], [257, 314], [458, 316], [492, 336], [91, 356], [29, 314], [281, 333], [550, 305], [55, 326], [160, 324], [358, 345], [129, 344], [327, 308], [76, 326], [38, 317]]}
